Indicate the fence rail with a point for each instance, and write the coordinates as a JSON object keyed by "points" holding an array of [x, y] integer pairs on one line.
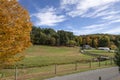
{"points": [[28, 73]]}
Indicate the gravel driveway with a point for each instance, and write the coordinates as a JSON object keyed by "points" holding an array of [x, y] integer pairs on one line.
{"points": [[106, 74]]}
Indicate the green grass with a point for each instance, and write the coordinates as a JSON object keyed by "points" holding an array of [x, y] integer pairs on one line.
{"points": [[41, 59], [37, 56], [70, 68], [101, 52], [49, 70]]}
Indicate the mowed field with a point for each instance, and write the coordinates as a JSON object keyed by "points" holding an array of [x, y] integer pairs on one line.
{"points": [[37, 56], [41, 60], [102, 52]]}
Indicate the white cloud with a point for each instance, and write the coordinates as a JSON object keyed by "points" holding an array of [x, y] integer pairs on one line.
{"points": [[95, 26], [112, 30], [97, 11], [101, 25], [115, 30], [66, 3], [84, 31], [83, 6], [69, 2], [115, 21], [103, 28], [48, 17], [104, 11]]}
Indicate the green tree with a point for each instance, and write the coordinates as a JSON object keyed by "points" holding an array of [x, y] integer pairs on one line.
{"points": [[78, 40], [63, 38], [36, 35], [71, 43], [50, 41], [117, 56], [104, 41]]}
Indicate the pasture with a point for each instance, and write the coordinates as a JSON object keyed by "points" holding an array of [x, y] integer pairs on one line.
{"points": [[41, 60], [38, 56]]}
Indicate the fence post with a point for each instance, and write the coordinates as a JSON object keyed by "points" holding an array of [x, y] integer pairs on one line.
{"points": [[15, 72], [99, 63], [75, 66], [105, 63], [100, 78], [111, 61], [55, 68], [90, 64], [23, 67]]}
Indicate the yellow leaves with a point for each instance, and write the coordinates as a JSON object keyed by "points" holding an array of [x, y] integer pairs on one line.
{"points": [[15, 27]]}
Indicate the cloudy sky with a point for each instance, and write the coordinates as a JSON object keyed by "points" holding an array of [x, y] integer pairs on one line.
{"points": [[78, 16]]}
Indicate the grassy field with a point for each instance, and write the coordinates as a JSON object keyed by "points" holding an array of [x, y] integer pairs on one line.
{"points": [[40, 61], [37, 56], [39, 73], [101, 52]]}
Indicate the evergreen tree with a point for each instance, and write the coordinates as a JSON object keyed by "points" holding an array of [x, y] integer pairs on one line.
{"points": [[117, 56]]}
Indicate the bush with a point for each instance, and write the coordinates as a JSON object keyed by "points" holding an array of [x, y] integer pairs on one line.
{"points": [[113, 47], [71, 43]]}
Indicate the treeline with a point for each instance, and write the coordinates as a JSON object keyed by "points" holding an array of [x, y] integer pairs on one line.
{"points": [[101, 40], [48, 36]]}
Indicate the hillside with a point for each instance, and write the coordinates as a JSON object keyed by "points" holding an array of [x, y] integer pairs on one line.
{"points": [[47, 55]]}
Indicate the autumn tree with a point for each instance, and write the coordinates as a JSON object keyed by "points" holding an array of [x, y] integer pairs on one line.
{"points": [[78, 40], [15, 27], [95, 42], [88, 40]]}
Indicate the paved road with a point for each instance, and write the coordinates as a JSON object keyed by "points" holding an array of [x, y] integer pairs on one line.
{"points": [[106, 74]]}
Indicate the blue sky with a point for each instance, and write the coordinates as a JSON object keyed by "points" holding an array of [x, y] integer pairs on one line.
{"points": [[79, 16]]}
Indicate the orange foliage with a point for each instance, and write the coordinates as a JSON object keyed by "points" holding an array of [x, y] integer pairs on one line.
{"points": [[15, 27]]}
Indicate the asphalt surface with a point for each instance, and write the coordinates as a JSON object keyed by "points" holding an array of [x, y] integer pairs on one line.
{"points": [[105, 74]]}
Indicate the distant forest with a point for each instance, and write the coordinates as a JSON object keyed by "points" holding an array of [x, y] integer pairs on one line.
{"points": [[48, 36]]}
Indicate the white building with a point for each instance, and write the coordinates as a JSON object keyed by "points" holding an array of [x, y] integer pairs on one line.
{"points": [[104, 48]]}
